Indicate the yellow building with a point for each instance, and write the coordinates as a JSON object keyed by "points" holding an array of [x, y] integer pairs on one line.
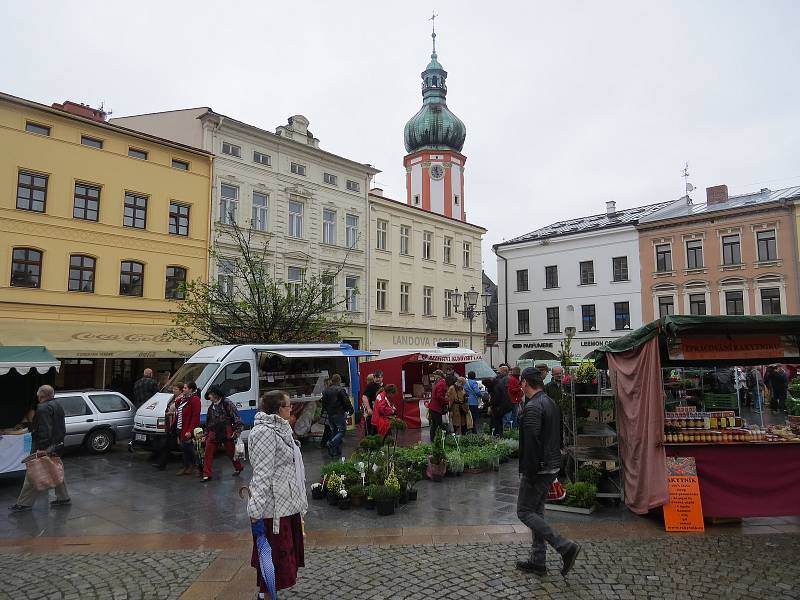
{"points": [[99, 225]]}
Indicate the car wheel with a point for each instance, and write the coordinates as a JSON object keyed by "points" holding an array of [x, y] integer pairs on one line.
{"points": [[100, 441]]}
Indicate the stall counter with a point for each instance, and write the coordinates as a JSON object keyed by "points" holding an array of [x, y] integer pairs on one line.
{"points": [[13, 448]]}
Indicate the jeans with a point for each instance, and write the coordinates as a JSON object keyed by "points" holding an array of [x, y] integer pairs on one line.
{"points": [[530, 510], [339, 426], [497, 425], [436, 423], [28, 494], [189, 459], [473, 408], [511, 418]]}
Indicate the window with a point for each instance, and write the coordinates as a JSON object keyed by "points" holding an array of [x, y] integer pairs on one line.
{"points": [[351, 293], [351, 230], [522, 280], [90, 141], [666, 306], [86, 202], [405, 239], [235, 378], [31, 191], [380, 301], [328, 226], [694, 254], [731, 250], [329, 179], [298, 169], [225, 270], [181, 165], [135, 214], [767, 247], [231, 149], [467, 252], [262, 159], [74, 406], [108, 403], [588, 317], [26, 268], [178, 218], [329, 290], [32, 127], [294, 280], [427, 301], [455, 199], [619, 265], [228, 204], [770, 301], [258, 218], [587, 272], [553, 320], [448, 303], [551, 277], [353, 186], [380, 235], [663, 258], [416, 200], [447, 251], [405, 297], [131, 278], [523, 321], [427, 240], [175, 283], [81, 273], [697, 304], [622, 315], [734, 303], [135, 153], [295, 219]]}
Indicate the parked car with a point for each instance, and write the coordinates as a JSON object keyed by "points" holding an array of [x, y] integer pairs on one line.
{"points": [[96, 419]]}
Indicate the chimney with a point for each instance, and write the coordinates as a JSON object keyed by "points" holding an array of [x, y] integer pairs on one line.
{"points": [[717, 194], [376, 191], [81, 110], [611, 208]]}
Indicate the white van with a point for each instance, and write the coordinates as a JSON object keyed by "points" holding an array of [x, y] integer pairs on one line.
{"points": [[246, 371]]}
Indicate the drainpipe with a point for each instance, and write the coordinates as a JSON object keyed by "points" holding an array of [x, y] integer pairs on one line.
{"points": [[505, 299], [792, 205], [368, 256]]}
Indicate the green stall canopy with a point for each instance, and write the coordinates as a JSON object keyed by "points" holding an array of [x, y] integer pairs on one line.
{"points": [[25, 358]]}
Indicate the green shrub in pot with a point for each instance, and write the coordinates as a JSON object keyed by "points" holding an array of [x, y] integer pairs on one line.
{"points": [[581, 494]]}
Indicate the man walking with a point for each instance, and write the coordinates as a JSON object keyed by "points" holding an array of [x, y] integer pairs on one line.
{"points": [[539, 463], [501, 401], [144, 388], [47, 434], [336, 403]]}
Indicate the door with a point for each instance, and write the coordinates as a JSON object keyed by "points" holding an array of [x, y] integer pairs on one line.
{"points": [[79, 418], [236, 381], [115, 411]]}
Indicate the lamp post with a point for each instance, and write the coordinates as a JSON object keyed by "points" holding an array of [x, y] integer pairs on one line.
{"points": [[470, 310]]}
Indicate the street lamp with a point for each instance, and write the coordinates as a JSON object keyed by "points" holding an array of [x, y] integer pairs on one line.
{"points": [[470, 305]]}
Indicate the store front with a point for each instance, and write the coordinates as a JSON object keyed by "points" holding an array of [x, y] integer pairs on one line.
{"points": [[547, 349]]}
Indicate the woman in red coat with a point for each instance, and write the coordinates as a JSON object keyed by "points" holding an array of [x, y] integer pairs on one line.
{"points": [[383, 409], [187, 417]]}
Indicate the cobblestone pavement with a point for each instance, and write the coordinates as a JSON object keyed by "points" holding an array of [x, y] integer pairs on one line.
{"points": [[680, 567], [110, 576]]}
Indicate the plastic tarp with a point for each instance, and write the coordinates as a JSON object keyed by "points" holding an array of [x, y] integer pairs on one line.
{"points": [[25, 358]]}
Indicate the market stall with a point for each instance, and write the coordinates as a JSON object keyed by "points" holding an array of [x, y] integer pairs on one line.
{"points": [[22, 370], [765, 480], [410, 371]]}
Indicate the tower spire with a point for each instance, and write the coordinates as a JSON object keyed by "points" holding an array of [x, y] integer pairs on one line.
{"points": [[433, 32]]}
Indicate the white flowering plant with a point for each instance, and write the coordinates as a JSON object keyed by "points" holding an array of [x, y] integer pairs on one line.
{"points": [[316, 486], [342, 493]]}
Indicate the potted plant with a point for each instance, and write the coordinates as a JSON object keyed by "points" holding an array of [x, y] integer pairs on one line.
{"points": [[317, 491], [357, 494], [344, 499], [384, 497], [369, 503], [581, 495], [334, 483], [455, 463], [412, 476], [437, 460], [586, 378]]}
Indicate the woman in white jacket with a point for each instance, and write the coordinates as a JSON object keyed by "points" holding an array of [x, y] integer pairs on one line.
{"points": [[278, 499]]}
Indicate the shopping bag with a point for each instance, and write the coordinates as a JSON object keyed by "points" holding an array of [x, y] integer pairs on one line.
{"points": [[238, 452], [44, 471], [556, 492]]}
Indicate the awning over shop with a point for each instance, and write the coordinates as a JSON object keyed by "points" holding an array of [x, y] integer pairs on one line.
{"points": [[87, 339], [23, 359]]}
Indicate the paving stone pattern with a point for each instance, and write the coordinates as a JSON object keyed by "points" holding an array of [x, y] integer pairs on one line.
{"points": [[109, 576], [679, 567]]}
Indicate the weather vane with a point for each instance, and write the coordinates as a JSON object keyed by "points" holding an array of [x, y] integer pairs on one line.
{"points": [[433, 28], [689, 186]]}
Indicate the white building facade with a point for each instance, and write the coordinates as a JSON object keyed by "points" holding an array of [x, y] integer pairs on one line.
{"points": [[581, 274]]}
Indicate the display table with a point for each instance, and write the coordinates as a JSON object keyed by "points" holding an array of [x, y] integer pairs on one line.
{"points": [[13, 448], [750, 479]]}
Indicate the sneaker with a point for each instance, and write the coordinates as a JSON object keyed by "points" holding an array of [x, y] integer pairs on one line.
{"points": [[569, 558], [18, 508], [63, 502], [529, 567]]}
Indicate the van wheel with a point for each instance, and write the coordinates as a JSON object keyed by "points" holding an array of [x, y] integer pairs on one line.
{"points": [[100, 441]]}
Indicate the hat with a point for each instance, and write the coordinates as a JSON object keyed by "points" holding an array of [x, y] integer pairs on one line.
{"points": [[542, 366], [533, 377]]}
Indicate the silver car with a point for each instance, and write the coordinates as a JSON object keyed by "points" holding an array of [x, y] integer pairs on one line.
{"points": [[96, 419]]}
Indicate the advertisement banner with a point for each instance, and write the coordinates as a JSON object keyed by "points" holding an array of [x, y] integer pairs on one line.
{"points": [[684, 512], [723, 347]]}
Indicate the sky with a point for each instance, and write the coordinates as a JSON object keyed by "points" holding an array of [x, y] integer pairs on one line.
{"points": [[568, 104]]}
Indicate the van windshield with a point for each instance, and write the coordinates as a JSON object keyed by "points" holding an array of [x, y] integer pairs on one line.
{"points": [[200, 373]]}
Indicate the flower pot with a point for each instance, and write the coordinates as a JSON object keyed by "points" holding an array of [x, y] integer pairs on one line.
{"points": [[412, 495], [369, 504], [344, 503], [333, 498], [356, 501], [436, 472], [317, 493], [584, 388], [385, 507]]}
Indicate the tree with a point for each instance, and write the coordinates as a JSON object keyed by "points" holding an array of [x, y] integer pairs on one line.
{"points": [[248, 305]]}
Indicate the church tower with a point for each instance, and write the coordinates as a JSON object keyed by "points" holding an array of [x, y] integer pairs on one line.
{"points": [[434, 138]]}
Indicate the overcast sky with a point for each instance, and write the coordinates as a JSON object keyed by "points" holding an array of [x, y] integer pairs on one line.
{"points": [[567, 104]]}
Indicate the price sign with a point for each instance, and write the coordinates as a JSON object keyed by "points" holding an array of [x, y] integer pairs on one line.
{"points": [[684, 511]]}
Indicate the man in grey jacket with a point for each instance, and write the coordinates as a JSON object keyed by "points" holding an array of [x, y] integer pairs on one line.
{"points": [[539, 463]]}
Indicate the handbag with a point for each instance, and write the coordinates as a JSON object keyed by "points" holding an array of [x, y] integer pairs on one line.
{"points": [[556, 491], [238, 453], [44, 471]]}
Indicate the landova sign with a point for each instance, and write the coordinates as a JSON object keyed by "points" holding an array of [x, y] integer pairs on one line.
{"points": [[723, 347]]}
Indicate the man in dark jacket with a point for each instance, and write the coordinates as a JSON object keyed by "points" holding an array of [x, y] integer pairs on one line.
{"points": [[144, 388], [539, 463], [500, 404], [47, 434], [336, 403]]}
